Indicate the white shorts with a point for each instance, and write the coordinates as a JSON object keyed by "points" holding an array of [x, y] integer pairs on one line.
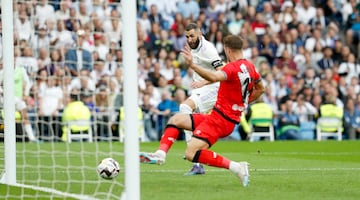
{"points": [[19, 104], [204, 98]]}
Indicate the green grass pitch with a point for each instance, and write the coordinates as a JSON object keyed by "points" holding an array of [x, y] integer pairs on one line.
{"points": [[299, 170]]}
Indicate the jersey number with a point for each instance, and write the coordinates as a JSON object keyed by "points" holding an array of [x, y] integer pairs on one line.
{"points": [[244, 77]]}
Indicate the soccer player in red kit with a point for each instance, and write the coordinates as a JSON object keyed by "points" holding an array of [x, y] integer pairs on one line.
{"points": [[240, 84]]}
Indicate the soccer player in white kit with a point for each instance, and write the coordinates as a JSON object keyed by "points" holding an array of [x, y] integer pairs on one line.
{"points": [[204, 93], [20, 106]]}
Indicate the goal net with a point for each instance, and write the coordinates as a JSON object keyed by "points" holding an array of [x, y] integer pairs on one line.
{"points": [[49, 165]]}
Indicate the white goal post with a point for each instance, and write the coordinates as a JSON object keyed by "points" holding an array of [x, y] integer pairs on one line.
{"points": [[9, 106], [53, 169]]}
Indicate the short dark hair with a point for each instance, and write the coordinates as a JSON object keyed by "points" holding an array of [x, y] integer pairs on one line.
{"points": [[233, 42], [191, 26]]}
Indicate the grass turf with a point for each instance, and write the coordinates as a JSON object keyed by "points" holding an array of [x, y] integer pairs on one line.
{"points": [[279, 170]]}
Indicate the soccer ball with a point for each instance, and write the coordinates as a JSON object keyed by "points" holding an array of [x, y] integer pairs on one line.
{"points": [[108, 168]]}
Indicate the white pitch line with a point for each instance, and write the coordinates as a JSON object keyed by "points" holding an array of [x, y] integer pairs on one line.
{"points": [[57, 192], [265, 170], [218, 170]]}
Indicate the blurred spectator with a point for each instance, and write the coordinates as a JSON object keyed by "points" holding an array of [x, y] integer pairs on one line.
{"points": [[267, 48], [295, 21], [286, 10], [155, 95], [76, 59], [350, 68], [75, 110], [50, 103], [177, 85], [270, 99], [43, 58], [330, 109], [163, 42], [156, 17], [23, 26], [149, 123], [326, 62], [235, 25], [62, 37], [44, 12], [331, 35], [259, 110], [286, 61], [102, 102], [289, 123], [211, 33], [28, 62], [155, 74], [274, 22], [319, 19], [287, 45], [145, 22], [351, 120], [258, 26], [306, 11], [315, 39], [83, 81], [303, 109], [63, 13], [164, 110], [153, 36], [83, 14], [113, 27], [189, 9]]}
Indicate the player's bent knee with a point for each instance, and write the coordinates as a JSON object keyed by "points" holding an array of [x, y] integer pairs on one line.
{"points": [[192, 155]]}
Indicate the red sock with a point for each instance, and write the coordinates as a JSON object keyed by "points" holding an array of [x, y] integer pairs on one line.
{"points": [[210, 158], [170, 135]]}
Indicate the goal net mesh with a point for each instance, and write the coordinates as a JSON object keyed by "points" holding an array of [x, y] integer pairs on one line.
{"points": [[49, 167]]}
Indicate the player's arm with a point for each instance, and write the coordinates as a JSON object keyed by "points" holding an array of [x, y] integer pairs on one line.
{"points": [[257, 91], [209, 75], [198, 84]]}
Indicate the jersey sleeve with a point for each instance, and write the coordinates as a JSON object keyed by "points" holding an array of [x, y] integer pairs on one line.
{"points": [[227, 70], [214, 58]]}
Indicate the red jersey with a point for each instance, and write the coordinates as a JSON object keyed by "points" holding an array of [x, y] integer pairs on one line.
{"points": [[234, 92]]}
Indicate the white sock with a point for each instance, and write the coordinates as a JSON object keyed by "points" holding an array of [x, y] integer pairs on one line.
{"points": [[234, 166], [161, 153], [29, 132]]}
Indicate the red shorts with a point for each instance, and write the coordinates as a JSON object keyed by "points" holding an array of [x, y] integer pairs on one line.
{"points": [[211, 127]]}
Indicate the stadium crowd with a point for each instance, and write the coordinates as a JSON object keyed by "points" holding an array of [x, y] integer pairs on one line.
{"points": [[307, 52]]}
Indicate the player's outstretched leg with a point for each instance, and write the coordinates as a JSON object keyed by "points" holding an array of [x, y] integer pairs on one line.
{"points": [[241, 169], [170, 135], [210, 158], [151, 158]]}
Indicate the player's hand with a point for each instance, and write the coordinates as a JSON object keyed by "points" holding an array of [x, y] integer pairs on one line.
{"points": [[197, 84], [187, 55]]}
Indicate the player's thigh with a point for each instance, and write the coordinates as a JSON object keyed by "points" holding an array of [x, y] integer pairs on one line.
{"points": [[181, 120], [205, 98]]}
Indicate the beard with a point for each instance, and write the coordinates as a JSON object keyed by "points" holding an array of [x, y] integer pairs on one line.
{"points": [[194, 45]]}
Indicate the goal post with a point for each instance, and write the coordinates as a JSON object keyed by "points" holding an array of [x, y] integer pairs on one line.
{"points": [[9, 106], [132, 166], [51, 168]]}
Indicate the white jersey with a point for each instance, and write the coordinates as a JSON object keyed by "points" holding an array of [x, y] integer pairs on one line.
{"points": [[205, 56]]}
